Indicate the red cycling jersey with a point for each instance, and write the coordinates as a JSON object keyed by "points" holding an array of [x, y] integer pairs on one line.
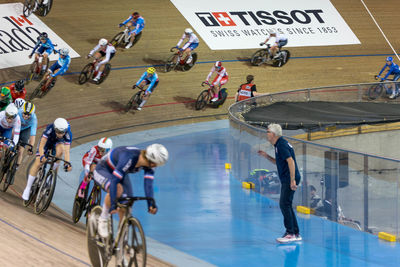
{"points": [[15, 94], [91, 157]]}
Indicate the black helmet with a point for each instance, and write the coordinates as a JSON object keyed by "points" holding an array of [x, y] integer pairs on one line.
{"points": [[43, 35], [19, 85]]}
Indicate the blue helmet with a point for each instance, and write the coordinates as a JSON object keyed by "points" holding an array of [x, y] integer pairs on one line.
{"points": [[389, 59]]}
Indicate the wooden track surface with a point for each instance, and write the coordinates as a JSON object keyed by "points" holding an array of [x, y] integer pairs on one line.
{"points": [[94, 108]]}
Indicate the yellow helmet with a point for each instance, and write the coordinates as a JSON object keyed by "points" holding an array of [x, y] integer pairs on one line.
{"points": [[151, 70]]}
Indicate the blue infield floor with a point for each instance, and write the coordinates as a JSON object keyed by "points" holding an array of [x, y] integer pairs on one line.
{"points": [[205, 218]]}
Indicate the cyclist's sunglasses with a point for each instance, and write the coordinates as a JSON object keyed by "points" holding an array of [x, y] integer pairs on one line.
{"points": [[27, 114], [10, 116], [60, 132], [102, 150]]}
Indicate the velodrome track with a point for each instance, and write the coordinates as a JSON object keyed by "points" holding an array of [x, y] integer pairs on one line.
{"points": [[27, 239]]}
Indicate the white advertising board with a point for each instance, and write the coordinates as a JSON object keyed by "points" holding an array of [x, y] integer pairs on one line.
{"points": [[233, 24], [18, 36]]}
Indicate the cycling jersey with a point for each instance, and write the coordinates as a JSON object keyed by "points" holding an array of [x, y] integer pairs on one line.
{"points": [[7, 128], [152, 80], [47, 47], [108, 50], [280, 37], [113, 168], [15, 94], [138, 24], [91, 157], [7, 99], [393, 69], [50, 134], [62, 64], [192, 40], [29, 123], [221, 74]]}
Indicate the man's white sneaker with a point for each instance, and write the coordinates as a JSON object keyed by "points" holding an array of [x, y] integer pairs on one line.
{"points": [[102, 227], [128, 46], [286, 239], [214, 99], [25, 194]]}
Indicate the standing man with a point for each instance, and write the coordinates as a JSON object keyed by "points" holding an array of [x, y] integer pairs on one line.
{"points": [[289, 175]]}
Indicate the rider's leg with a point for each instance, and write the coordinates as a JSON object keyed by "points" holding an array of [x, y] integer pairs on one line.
{"points": [[31, 178], [44, 61], [59, 154], [187, 55], [24, 137], [147, 96], [273, 50], [133, 35]]}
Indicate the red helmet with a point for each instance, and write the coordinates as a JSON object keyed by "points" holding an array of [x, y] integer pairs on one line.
{"points": [[218, 64]]}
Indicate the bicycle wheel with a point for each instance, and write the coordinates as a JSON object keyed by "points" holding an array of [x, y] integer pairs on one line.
{"points": [[116, 40], [2, 164], [49, 87], [187, 67], [9, 175], [29, 5], [375, 91], [45, 9], [137, 38], [105, 73], [134, 251], [37, 91], [134, 102], [79, 205], [170, 65], [258, 57], [45, 193], [283, 58], [52, 189], [95, 251], [32, 72], [93, 200], [83, 76], [202, 100]]}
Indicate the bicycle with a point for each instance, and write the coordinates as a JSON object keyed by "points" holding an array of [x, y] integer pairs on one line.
{"points": [[264, 56], [130, 241], [4, 144], [206, 95], [10, 166], [175, 60], [136, 99], [123, 38], [85, 204], [376, 90], [35, 69], [44, 87], [89, 71], [36, 6]]}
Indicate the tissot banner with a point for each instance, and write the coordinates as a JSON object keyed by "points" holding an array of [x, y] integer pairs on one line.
{"points": [[233, 24], [18, 36]]}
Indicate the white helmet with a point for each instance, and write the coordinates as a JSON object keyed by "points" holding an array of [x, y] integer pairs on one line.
{"points": [[11, 110], [272, 31], [103, 42], [19, 102], [157, 153], [61, 124], [188, 31], [64, 51], [105, 143]]}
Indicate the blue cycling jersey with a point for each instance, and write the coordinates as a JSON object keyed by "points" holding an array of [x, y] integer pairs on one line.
{"points": [[48, 46], [63, 63], [29, 123], [152, 80], [121, 161], [50, 135], [393, 69], [139, 23]]}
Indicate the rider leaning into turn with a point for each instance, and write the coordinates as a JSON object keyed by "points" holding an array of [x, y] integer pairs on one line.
{"points": [[44, 47], [148, 77], [56, 140], [219, 80], [90, 160], [136, 21], [189, 46], [112, 175], [102, 49], [280, 41], [393, 70], [62, 64]]}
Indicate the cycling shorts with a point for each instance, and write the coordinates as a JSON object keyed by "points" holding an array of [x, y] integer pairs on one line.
{"points": [[103, 54], [55, 67], [154, 86], [103, 177], [193, 46], [43, 50], [282, 43], [136, 31], [223, 81]]}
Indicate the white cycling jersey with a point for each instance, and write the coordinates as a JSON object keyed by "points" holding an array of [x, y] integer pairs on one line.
{"points": [[15, 125], [108, 50], [192, 40]]}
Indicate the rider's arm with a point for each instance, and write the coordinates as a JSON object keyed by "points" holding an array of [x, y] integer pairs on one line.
{"points": [[94, 50], [33, 124], [181, 40], [124, 163], [384, 67], [148, 184], [127, 20], [36, 47], [211, 72], [89, 159], [141, 78], [390, 71], [50, 44], [42, 143], [16, 130]]}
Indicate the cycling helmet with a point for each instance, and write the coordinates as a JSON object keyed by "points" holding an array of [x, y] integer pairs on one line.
{"points": [[151, 70], [188, 31], [157, 153], [43, 36], [64, 51], [5, 91], [135, 14], [19, 85], [29, 108], [389, 59], [272, 31], [218, 64], [103, 42], [61, 125], [11, 110], [105, 143], [19, 102]]}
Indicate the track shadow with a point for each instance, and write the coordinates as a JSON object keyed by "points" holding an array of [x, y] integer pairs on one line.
{"points": [[157, 63], [118, 106], [244, 60], [187, 101]]}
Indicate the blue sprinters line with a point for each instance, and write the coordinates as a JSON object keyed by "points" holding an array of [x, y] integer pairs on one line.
{"points": [[228, 60], [44, 243]]}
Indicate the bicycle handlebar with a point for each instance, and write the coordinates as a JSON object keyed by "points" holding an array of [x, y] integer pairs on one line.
{"points": [[51, 158], [205, 83], [131, 200], [173, 49], [2, 139]]}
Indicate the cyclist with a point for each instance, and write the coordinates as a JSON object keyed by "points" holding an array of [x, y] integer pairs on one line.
{"points": [[219, 80], [18, 90], [189, 46], [148, 77], [393, 70], [61, 65], [105, 49], [280, 41], [56, 140], [5, 98], [91, 158], [28, 127], [246, 90], [111, 175], [10, 125], [44, 47], [134, 20]]}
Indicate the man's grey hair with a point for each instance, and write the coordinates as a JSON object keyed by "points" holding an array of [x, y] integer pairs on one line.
{"points": [[275, 128]]}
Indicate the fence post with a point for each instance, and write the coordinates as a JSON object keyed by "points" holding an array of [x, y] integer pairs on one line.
{"points": [[365, 193]]}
